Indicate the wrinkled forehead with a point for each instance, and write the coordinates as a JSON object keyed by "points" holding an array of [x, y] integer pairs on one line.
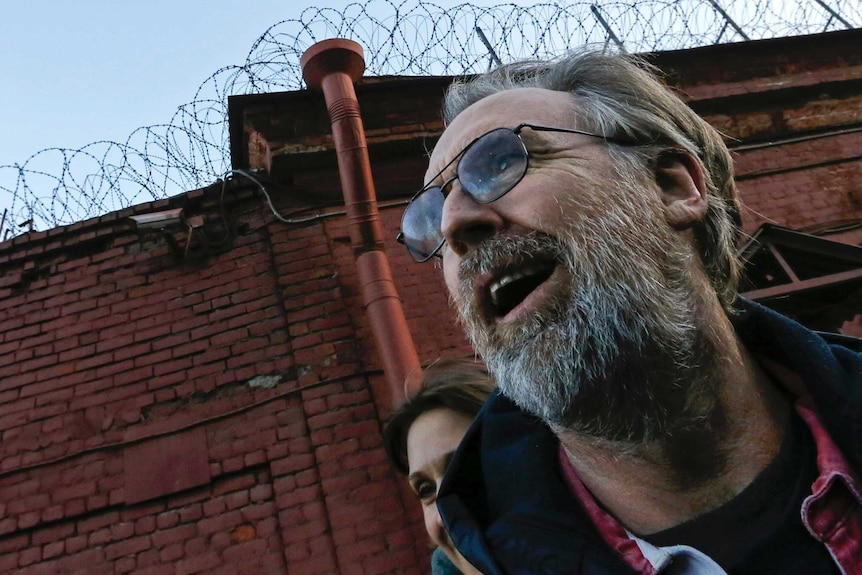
{"points": [[504, 109]]}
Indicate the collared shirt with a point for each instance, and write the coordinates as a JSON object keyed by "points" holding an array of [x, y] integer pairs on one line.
{"points": [[832, 514]]}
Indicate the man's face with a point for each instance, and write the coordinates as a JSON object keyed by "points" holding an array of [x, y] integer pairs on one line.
{"points": [[572, 287], [558, 163]]}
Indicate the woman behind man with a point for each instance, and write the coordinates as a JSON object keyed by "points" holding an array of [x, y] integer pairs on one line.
{"points": [[424, 432]]}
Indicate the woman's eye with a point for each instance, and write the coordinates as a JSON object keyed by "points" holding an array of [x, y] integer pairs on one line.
{"points": [[425, 491]]}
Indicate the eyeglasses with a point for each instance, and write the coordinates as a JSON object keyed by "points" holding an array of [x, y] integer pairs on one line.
{"points": [[488, 168]]}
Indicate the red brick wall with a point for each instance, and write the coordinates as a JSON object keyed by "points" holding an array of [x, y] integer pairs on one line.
{"points": [[792, 114], [222, 414], [112, 354]]}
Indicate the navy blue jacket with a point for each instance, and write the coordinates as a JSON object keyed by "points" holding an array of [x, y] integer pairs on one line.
{"points": [[509, 509]]}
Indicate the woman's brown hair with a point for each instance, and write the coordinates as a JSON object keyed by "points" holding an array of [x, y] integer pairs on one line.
{"points": [[458, 384]]}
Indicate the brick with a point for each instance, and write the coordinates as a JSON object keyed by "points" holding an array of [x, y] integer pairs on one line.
{"points": [[317, 564], [127, 547], [133, 513], [314, 510], [391, 561], [255, 458], [192, 513], [116, 497], [142, 374], [167, 519], [54, 549], [221, 522], [29, 556], [307, 477], [368, 429], [76, 543], [214, 507], [297, 496], [128, 349], [155, 332], [14, 543], [81, 561], [93, 523], [99, 537], [245, 552], [125, 565], [9, 562], [363, 459], [93, 361], [166, 537], [330, 418], [173, 377], [179, 338], [29, 519], [145, 525], [172, 553], [22, 333], [236, 483], [122, 530], [233, 464], [199, 564], [55, 533], [84, 489], [97, 502], [292, 464], [307, 530], [55, 371], [261, 492], [255, 513], [196, 546], [74, 507], [237, 499], [337, 450], [345, 483]]}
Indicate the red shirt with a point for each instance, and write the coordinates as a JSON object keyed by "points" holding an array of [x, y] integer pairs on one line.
{"points": [[832, 514]]}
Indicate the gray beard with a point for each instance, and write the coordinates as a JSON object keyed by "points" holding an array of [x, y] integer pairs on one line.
{"points": [[616, 354]]}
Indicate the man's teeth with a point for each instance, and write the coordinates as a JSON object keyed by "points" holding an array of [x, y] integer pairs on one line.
{"points": [[505, 280]]}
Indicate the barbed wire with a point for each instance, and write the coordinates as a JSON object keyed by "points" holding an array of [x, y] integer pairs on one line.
{"points": [[58, 186]]}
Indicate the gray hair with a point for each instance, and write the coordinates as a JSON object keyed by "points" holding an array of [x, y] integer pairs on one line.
{"points": [[621, 96]]}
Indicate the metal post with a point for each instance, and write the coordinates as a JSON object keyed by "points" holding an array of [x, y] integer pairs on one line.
{"points": [[493, 55], [834, 14], [595, 10], [729, 20]]}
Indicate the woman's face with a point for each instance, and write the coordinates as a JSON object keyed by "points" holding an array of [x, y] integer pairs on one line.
{"points": [[431, 441]]}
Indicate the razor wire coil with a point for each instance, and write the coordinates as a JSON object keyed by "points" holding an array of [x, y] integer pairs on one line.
{"points": [[56, 186]]}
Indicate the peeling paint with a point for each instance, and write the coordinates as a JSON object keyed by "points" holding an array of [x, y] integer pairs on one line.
{"points": [[264, 381]]}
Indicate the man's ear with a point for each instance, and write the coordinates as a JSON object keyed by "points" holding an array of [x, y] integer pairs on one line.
{"points": [[683, 190]]}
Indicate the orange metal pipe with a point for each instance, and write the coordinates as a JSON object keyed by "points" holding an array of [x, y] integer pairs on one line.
{"points": [[332, 66]]}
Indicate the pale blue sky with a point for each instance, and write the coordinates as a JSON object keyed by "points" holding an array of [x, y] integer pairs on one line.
{"points": [[77, 72], [74, 72]]}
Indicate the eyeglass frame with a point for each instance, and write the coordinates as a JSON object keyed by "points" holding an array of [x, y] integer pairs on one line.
{"points": [[517, 132]]}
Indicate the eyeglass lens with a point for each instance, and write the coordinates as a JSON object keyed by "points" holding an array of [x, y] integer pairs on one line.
{"points": [[421, 222], [491, 166]]}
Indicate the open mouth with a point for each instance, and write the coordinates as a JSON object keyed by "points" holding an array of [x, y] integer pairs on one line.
{"points": [[510, 288]]}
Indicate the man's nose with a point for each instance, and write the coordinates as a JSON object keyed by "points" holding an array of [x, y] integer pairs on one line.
{"points": [[466, 222]]}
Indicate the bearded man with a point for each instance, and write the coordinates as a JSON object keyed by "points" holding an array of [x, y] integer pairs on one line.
{"points": [[650, 420]]}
